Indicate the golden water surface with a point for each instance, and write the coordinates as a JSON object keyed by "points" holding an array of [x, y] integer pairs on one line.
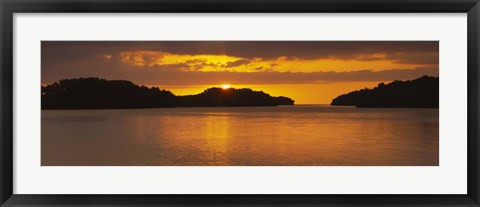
{"points": [[303, 135]]}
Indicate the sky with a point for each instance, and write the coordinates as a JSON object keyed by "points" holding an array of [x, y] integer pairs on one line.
{"points": [[310, 72]]}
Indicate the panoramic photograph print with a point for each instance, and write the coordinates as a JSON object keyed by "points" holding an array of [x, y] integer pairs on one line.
{"points": [[239, 103]]}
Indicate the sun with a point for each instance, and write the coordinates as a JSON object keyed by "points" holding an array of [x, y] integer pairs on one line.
{"points": [[226, 86]]}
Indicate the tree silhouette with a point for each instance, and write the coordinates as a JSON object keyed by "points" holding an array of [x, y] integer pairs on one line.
{"points": [[95, 93], [233, 97], [422, 92]]}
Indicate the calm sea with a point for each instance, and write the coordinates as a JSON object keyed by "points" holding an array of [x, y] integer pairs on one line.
{"points": [[301, 135]]}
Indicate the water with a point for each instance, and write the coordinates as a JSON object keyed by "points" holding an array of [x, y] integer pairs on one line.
{"points": [[241, 136]]}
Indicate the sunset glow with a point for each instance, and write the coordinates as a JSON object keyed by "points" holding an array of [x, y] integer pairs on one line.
{"points": [[308, 72], [226, 86]]}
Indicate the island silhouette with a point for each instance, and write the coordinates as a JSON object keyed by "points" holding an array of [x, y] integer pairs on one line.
{"points": [[422, 92], [96, 93]]}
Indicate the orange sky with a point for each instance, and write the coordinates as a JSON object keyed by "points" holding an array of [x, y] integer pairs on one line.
{"points": [[308, 72]]}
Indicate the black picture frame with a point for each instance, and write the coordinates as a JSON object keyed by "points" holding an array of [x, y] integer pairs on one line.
{"points": [[9, 7]]}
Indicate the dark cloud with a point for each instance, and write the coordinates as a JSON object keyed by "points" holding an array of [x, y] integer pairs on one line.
{"points": [[431, 58], [405, 51], [71, 59], [237, 63]]}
